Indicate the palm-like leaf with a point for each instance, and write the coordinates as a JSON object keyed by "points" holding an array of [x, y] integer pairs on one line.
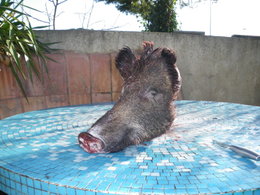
{"points": [[20, 45]]}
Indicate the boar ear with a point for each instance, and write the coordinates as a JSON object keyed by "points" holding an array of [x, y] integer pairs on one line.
{"points": [[125, 61], [170, 59], [169, 56]]}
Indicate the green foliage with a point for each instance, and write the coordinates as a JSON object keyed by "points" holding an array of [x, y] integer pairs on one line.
{"points": [[157, 15], [20, 49], [162, 17]]}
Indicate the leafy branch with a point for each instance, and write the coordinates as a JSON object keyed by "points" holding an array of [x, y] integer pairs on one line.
{"points": [[156, 16], [20, 48]]}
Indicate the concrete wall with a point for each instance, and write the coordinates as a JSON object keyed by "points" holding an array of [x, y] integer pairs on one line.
{"points": [[213, 68]]}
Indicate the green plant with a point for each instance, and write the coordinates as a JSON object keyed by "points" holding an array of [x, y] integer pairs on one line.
{"points": [[155, 15], [20, 48], [162, 17]]}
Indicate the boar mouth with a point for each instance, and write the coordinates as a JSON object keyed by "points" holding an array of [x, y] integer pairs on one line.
{"points": [[90, 143]]}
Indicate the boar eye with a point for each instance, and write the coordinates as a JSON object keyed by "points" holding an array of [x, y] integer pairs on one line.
{"points": [[153, 92], [152, 95]]}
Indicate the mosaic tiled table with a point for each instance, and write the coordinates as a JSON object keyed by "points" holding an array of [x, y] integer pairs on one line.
{"points": [[39, 154]]}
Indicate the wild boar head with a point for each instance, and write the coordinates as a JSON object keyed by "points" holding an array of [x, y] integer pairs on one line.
{"points": [[144, 109]]}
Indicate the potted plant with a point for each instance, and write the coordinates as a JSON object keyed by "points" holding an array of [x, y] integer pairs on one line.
{"points": [[20, 48]]}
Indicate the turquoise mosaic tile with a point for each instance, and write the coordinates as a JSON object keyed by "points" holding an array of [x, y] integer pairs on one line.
{"points": [[39, 154]]}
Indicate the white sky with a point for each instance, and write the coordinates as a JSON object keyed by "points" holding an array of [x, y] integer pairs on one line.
{"points": [[228, 17]]}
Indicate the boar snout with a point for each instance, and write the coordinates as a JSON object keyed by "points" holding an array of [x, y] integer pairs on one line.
{"points": [[105, 139], [90, 143]]}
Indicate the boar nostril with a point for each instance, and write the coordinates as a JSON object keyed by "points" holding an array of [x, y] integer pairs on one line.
{"points": [[95, 145], [81, 140], [90, 143]]}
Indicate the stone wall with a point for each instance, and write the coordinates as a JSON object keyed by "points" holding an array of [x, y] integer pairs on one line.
{"points": [[212, 68]]}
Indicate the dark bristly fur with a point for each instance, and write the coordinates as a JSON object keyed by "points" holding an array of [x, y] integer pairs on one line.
{"points": [[144, 109], [148, 48], [124, 61], [134, 65], [170, 57]]}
